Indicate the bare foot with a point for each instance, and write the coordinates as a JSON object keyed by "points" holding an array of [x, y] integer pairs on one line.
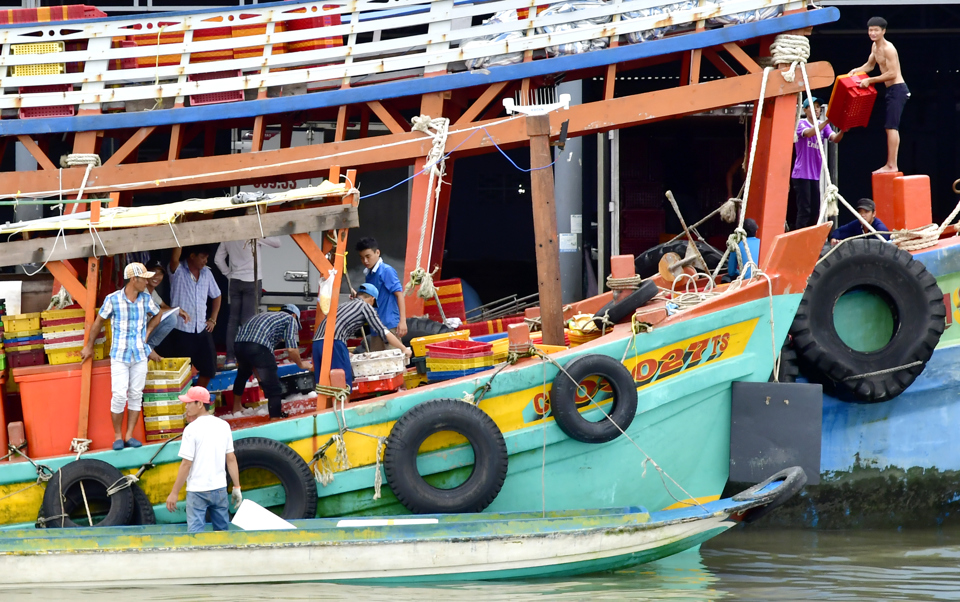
{"points": [[237, 408], [887, 169]]}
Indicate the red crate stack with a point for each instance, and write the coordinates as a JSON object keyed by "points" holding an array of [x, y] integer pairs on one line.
{"points": [[451, 299], [43, 112], [211, 98]]}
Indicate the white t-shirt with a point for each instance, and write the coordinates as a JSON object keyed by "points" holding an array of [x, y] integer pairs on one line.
{"points": [[206, 442]]}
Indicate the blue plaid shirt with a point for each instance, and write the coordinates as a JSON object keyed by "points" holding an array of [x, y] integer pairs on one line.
{"points": [[191, 294], [269, 329], [128, 324]]}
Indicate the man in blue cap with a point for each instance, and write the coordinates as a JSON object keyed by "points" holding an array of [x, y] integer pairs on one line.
{"points": [[805, 178], [254, 347], [350, 317]]}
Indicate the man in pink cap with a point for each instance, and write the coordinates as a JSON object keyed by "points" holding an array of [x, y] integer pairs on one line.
{"points": [[133, 315], [206, 448]]}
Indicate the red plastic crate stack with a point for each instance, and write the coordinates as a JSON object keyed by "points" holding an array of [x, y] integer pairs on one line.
{"points": [[850, 105], [43, 112], [308, 324], [49, 13], [492, 326], [363, 389], [211, 98], [640, 229]]}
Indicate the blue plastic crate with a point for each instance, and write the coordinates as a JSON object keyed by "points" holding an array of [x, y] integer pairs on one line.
{"points": [[448, 374]]}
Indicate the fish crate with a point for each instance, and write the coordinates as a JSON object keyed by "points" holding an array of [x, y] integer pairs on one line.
{"points": [[168, 371], [63, 314], [419, 344], [163, 423], [165, 395], [378, 363], [448, 375], [57, 357], [20, 359], [163, 435], [21, 323], [413, 379], [301, 382], [25, 337], [211, 98], [363, 388], [456, 349], [39, 69], [24, 346], [448, 365], [164, 407], [850, 105]]}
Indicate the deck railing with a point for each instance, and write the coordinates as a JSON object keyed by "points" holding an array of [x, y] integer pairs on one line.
{"points": [[106, 63]]}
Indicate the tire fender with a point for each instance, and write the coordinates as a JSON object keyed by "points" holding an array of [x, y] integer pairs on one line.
{"points": [[299, 485], [563, 399], [97, 476]]}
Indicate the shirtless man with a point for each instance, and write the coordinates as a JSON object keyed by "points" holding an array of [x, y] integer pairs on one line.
{"points": [[885, 55]]}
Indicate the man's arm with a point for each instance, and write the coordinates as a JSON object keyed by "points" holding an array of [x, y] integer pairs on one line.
{"points": [[401, 305], [175, 260], [233, 470], [836, 136], [214, 311], [220, 260], [178, 484], [866, 67], [154, 321], [95, 328], [395, 342], [294, 354]]}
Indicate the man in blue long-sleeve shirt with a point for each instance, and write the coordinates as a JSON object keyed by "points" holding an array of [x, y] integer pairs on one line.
{"points": [[868, 211]]}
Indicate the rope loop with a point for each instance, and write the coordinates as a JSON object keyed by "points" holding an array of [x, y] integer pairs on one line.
{"points": [[124, 482], [790, 49]]}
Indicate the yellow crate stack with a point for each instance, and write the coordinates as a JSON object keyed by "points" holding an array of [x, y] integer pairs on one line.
{"points": [[162, 409]]}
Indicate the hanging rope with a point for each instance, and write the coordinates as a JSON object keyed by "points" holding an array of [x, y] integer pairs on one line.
{"points": [[436, 164]]}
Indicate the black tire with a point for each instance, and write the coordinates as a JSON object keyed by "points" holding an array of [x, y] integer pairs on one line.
{"points": [[563, 399], [299, 486], [789, 364], [97, 476], [647, 263], [142, 508], [421, 421], [915, 301], [422, 327], [794, 479], [617, 311]]}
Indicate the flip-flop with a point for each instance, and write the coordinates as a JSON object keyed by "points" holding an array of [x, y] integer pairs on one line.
{"points": [[118, 444], [131, 442]]}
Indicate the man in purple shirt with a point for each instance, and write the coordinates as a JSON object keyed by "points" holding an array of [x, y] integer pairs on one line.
{"points": [[805, 178]]}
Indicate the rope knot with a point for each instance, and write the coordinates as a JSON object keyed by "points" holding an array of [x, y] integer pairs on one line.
{"points": [[830, 197], [790, 49], [728, 211]]}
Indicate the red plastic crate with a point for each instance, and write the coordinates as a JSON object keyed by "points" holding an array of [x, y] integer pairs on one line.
{"points": [[92, 12], [366, 388], [850, 105], [459, 349], [211, 98], [492, 326], [34, 357], [44, 112]]}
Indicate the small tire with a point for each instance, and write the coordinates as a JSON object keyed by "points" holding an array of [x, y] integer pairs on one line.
{"points": [[647, 263], [299, 485], [422, 327], [794, 479], [617, 311], [916, 305], [97, 476], [425, 419], [143, 513], [563, 399]]}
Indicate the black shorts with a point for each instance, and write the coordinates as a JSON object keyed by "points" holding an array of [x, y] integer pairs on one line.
{"points": [[897, 97], [198, 346]]}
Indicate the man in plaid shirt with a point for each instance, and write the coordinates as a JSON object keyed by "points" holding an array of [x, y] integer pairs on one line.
{"points": [[254, 347], [133, 315]]}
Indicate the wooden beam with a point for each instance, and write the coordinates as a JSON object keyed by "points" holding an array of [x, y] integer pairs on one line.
{"points": [[742, 57], [324, 401], [343, 120], [481, 103], [718, 62], [131, 240], [86, 369], [42, 159], [311, 160], [386, 117], [66, 276], [176, 142], [313, 252], [610, 82], [259, 129], [132, 144], [545, 230]]}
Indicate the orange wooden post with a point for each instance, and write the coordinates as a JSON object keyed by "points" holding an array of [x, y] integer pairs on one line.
{"points": [[324, 401], [770, 183], [86, 370]]}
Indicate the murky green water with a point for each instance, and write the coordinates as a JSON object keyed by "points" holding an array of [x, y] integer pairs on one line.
{"points": [[747, 564]]}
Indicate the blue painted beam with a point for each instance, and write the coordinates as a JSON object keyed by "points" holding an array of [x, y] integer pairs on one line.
{"points": [[413, 87]]}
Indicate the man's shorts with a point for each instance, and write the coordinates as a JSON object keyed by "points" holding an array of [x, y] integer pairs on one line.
{"points": [[897, 97]]}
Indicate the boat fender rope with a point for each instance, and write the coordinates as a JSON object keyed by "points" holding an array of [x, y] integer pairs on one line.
{"points": [[124, 483], [377, 475], [882, 372]]}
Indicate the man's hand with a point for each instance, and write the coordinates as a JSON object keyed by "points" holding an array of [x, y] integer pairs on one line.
{"points": [[185, 316], [154, 356], [402, 329], [86, 353], [172, 502], [211, 324], [353, 293], [834, 242], [236, 497], [306, 365], [865, 83], [407, 352]]}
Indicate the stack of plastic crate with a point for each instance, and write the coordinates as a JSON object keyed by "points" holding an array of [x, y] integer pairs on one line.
{"points": [[377, 372], [22, 340], [63, 336], [162, 409], [453, 359]]}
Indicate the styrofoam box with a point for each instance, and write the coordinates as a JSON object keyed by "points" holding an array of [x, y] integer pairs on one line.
{"points": [[389, 361]]}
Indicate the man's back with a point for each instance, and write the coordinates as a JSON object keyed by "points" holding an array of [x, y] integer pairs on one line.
{"points": [[206, 442]]}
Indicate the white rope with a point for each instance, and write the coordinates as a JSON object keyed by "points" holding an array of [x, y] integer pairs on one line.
{"points": [[437, 129], [377, 477], [81, 446]]}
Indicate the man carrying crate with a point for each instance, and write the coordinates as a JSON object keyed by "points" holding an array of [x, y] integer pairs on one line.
{"points": [[129, 311], [883, 53]]}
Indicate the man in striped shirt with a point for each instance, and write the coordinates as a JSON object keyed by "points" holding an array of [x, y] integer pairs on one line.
{"points": [[350, 317], [191, 284], [254, 347], [133, 315]]}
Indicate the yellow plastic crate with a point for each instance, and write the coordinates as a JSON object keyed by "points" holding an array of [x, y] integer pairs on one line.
{"points": [[500, 346], [19, 335], [446, 365], [62, 314], [37, 48], [413, 379], [151, 437], [419, 344], [163, 423], [162, 408], [21, 323], [20, 348], [63, 327], [548, 349], [41, 69], [169, 370], [72, 355]]}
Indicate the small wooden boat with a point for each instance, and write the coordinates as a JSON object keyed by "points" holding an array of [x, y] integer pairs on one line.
{"points": [[382, 549]]}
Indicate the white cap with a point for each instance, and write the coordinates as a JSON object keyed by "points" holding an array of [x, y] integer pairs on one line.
{"points": [[136, 270]]}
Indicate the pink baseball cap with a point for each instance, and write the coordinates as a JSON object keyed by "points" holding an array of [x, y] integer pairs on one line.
{"points": [[196, 394]]}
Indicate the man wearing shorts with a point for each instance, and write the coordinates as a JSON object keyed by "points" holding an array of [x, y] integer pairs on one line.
{"points": [[884, 54], [129, 311], [191, 284]]}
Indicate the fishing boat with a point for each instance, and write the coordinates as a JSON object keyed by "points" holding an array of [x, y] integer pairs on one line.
{"points": [[427, 548], [552, 430]]}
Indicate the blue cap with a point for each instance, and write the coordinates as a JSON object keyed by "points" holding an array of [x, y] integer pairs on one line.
{"points": [[806, 101], [369, 289], [292, 309]]}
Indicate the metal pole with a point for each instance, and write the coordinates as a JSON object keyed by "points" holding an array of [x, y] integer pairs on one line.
{"points": [[614, 193], [601, 210]]}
